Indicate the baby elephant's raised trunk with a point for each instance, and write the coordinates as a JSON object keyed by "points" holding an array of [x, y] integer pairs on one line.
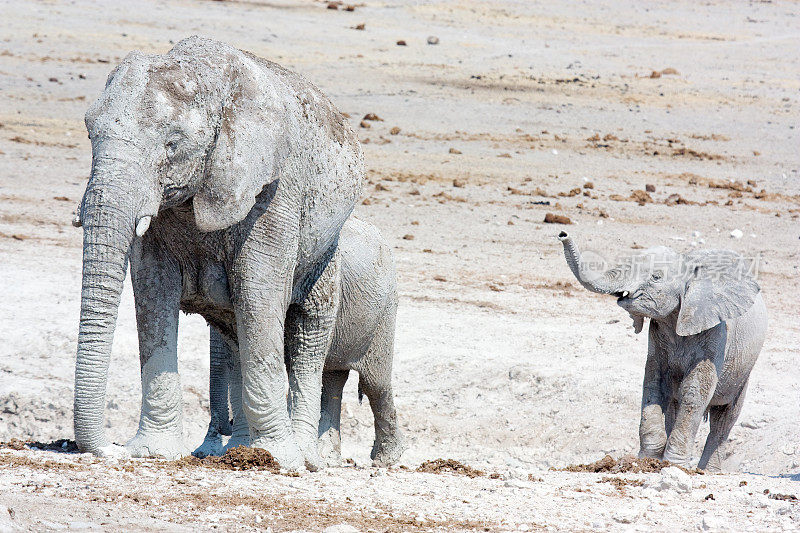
{"points": [[603, 283]]}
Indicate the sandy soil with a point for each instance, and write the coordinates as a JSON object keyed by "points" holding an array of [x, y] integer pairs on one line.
{"points": [[501, 361]]}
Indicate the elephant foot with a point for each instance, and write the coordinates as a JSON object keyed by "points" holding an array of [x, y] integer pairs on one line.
{"points": [[236, 441], [284, 451], [651, 453], [113, 451], [212, 445], [387, 451], [678, 460], [164, 446], [329, 447]]}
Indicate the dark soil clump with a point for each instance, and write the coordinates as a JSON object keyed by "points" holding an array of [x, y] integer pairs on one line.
{"points": [[626, 464], [60, 445], [239, 458], [448, 466]]}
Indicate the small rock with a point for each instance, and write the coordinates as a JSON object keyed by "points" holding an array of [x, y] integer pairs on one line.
{"points": [[671, 478], [394, 131], [433, 39], [454, 151], [349, 8], [459, 183], [408, 237], [333, 5], [54, 80], [364, 124], [552, 218], [361, 26], [373, 117], [506, 155], [737, 234], [554, 151], [588, 185], [401, 43], [650, 187]]}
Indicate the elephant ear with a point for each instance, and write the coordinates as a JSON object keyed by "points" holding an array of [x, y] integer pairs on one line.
{"points": [[718, 288], [243, 158]]}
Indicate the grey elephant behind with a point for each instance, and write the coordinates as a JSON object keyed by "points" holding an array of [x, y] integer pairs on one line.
{"points": [[708, 323], [363, 341]]}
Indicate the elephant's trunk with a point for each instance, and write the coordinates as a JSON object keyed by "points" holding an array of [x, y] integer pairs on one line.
{"points": [[607, 282], [108, 220]]}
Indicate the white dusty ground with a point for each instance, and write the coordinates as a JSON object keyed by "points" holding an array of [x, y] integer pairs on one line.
{"points": [[499, 364]]}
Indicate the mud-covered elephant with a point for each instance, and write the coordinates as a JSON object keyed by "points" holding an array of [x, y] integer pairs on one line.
{"points": [[225, 179], [707, 326], [363, 341]]}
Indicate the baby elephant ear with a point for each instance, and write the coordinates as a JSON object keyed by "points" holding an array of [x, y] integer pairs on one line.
{"points": [[718, 288], [242, 159]]}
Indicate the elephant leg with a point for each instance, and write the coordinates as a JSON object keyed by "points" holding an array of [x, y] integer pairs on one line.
{"points": [[694, 395], [219, 377], [652, 428], [156, 281], [309, 332], [261, 278], [722, 418], [330, 440], [240, 431]]}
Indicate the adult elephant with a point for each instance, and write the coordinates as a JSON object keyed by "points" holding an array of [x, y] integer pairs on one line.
{"points": [[213, 170]]}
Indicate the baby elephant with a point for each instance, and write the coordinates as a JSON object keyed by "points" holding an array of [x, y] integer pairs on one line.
{"points": [[363, 340], [707, 326]]}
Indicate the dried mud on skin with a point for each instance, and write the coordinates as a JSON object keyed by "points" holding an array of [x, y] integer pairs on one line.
{"points": [[625, 464], [239, 458], [449, 466]]}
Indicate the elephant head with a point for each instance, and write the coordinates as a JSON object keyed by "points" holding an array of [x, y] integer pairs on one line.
{"points": [[696, 290], [200, 124]]}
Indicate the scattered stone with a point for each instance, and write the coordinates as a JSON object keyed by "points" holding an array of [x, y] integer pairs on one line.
{"points": [[737, 234], [454, 151], [373, 117], [655, 74], [361, 26], [495, 287], [364, 124], [381, 187], [433, 40], [408, 237], [783, 497], [401, 43], [709, 496], [459, 183], [451, 466], [437, 277], [333, 5], [505, 154], [54, 80], [669, 71], [671, 478], [641, 197], [650, 187], [552, 218], [366, 201], [349, 8], [588, 185], [394, 131]]}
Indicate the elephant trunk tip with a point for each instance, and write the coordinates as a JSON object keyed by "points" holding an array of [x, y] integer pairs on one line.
{"points": [[563, 236]]}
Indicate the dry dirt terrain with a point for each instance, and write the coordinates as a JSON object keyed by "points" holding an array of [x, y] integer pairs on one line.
{"points": [[502, 361]]}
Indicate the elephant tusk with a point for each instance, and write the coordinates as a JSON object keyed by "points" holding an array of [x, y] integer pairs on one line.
{"points": [[624, 294], [76, 220], [142, 225]]}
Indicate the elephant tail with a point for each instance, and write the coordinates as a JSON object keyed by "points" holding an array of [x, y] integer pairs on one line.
{"points": [[360, 391]]}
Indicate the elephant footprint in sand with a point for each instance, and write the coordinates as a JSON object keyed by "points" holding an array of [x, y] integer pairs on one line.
{"points": [[225, 180], [363, 341], [707, 326]]}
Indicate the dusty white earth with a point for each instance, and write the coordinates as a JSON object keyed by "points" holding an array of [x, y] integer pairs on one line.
{"points": [[501, 361]]}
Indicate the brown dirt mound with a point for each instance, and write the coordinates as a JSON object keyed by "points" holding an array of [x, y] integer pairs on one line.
{"points": [[239, 458], [627, 463], [446, 466]]}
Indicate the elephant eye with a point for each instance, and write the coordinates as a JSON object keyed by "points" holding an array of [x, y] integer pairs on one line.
{"points": [[172, 147], [657, 276]]}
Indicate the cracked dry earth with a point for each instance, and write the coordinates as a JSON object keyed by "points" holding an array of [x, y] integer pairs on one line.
{"points": [[641, 123]]}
